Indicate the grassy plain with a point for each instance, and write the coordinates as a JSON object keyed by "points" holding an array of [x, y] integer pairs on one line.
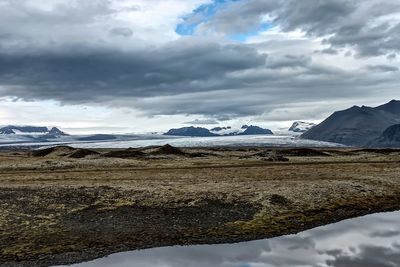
{"points": [[66, 205]]}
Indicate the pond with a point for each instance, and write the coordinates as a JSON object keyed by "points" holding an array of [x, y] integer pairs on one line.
{"points": [[372, 240]]}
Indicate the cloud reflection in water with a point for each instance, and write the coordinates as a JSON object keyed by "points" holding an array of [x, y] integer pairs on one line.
{"points": [[372, 240]]}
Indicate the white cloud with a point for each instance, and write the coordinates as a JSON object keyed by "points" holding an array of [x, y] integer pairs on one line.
{"points": [[118, 63]]}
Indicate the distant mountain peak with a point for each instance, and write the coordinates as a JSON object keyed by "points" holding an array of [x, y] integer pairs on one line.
{"points": [[190, 131], [254, 130], [356, 126], [56, 131]]}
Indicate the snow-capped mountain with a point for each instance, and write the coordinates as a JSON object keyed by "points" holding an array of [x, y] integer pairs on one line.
{"points": [[228, 130], [31, 130], [301, 126]]}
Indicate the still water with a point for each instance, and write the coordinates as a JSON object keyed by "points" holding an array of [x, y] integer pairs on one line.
{"points": [[369, 241]]}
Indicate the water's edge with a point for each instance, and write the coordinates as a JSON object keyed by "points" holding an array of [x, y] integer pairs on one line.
{"points": [[89, 255]]}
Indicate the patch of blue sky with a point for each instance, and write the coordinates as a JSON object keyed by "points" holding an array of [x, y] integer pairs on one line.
{"points": [[205, 12], [201, 14], [242, 37]]}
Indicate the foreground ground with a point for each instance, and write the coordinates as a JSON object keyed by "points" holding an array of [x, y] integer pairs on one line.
{"points": [[64, 205]]}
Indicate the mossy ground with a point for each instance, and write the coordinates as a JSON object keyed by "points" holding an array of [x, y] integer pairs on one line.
{"points": [[70, 210]]}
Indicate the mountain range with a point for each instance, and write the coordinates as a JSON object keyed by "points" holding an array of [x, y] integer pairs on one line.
{"points": [[31, 130], [360, 126], [218, 131], [357, 126]]}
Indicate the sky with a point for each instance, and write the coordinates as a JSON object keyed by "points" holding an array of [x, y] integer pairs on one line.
{"points": [[127, 66]]}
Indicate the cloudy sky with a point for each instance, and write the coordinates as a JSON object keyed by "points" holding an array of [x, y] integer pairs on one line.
{"points": [[148, 65]]}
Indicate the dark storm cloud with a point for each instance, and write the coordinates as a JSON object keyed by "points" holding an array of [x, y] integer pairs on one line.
{"points": [[79, 74], [77, 52], [189, 76], [348, 23]]}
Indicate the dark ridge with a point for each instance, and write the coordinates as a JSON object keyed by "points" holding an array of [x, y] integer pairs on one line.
{"points": [[127, 153], [168, 150], [378, 150], [302, 152], [81, 153], [57, 150]]}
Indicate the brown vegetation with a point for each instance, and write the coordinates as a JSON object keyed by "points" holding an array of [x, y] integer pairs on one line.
{"points": [[56, 208]]}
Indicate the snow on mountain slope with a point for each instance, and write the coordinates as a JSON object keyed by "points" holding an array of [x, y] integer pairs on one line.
{"points": [[301, 126], [30, 130]]}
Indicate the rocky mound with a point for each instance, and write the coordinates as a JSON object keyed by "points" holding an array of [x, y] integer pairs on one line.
{"points": [[302, 152], [82, 153], [57, 151], [384, 151], [125, 154], [168, 150], [64, 151]]}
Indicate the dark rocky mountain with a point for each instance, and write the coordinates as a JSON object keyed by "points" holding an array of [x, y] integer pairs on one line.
{"points": [[191, 131], [254, 130], [389, 138], [356, 126], [56, 131], [301, 126], [6, 130], [12, 129], [204, 132]]}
